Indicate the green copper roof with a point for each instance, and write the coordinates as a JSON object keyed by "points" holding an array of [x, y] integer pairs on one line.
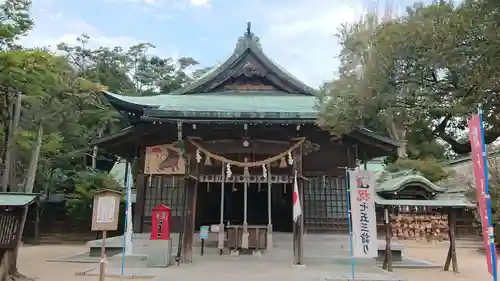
{"points": [[225, 105], [16, 199], [404, 179], [397, 183]]}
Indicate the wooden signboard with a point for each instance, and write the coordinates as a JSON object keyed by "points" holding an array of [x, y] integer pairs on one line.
{"points": [[105, 210], [105, 218], [165, 159]]}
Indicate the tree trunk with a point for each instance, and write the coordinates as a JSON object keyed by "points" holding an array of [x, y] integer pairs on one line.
{"points": [[30, 178], [28, 188], [95, 148], [11, 142], [5, 260], [398, 133]]}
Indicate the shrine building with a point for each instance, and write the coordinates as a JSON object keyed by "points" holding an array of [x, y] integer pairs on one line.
{"points": [[223, 151]]}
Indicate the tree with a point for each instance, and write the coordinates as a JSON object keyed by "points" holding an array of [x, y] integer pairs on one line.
{"points": [[417, 77], [51, 106], [429, 168], [86, 184], [463, 178]]}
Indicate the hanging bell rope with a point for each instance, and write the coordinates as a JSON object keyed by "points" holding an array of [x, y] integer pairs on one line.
{"points": [[269, 160]]}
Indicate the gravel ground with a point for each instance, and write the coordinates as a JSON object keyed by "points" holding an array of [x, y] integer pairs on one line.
{"points": [[472, 264]]}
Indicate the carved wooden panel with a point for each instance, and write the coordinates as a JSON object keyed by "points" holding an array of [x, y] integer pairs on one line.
{"points": [[246, 87], [248, 66]]}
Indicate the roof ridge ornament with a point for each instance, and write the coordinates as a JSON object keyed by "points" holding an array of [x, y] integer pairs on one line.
{"points": [[248, 39], [249, 29]]}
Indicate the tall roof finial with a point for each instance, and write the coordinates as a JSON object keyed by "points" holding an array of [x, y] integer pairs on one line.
{"points": [[249, 32]]}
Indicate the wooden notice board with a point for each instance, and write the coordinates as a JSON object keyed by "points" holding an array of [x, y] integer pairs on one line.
{"points": [[105, 210]]}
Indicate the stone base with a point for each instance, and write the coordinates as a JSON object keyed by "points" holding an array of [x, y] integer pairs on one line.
{"points": [[159, 253], [269, 240], [221, 237], [129, 261], [396, 250], [257, 253], [244, 239]]}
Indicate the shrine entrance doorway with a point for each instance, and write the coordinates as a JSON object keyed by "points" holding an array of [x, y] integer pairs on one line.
{"points": [[209, 205]]}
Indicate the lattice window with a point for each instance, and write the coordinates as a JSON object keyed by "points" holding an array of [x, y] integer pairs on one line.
{"points": [[166, 190], [325, 203]]}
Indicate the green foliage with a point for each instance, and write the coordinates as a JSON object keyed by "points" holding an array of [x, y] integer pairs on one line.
{"points": [[86, 184], [61, 93], [15, 21], [418, 76], [428, 168]]}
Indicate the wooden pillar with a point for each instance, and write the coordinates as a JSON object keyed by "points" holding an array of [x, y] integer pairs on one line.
{"points": [[388, 235], [221, 225], [452, 252], [244, 238], [269, 210], [299, 226], [36, 236], [140, 189], [189, 225]]}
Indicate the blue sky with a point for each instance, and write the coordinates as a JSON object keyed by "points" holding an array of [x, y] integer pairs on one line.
{"points": [[298, 34]]}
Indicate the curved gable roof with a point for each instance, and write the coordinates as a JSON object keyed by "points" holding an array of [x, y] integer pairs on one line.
{"points": [[248, 46], [399, 183]]}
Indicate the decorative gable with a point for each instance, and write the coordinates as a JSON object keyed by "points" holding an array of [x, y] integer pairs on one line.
{"points": [[250, 70]]}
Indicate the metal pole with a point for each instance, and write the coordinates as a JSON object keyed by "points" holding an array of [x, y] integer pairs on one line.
{"points": [[491, 234], [349, 216], [126, 245]]}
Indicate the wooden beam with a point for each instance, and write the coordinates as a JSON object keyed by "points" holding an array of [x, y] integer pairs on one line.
{"points": [[452, 251], [387, 265], [190, 217], [298, 229], [301, 195]]}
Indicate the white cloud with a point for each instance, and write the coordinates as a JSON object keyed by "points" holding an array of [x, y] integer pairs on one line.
{"points": [[54, 28], [301, 36], [202, 3], [69, 33], [168, 3]]}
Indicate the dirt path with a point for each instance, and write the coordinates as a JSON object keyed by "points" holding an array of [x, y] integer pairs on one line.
{"points": [[471, 264], [33, 263]]}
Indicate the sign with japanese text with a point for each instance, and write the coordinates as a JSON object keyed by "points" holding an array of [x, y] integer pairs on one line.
{"points": [[476, 141], [105, 210], [364, 224]]}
